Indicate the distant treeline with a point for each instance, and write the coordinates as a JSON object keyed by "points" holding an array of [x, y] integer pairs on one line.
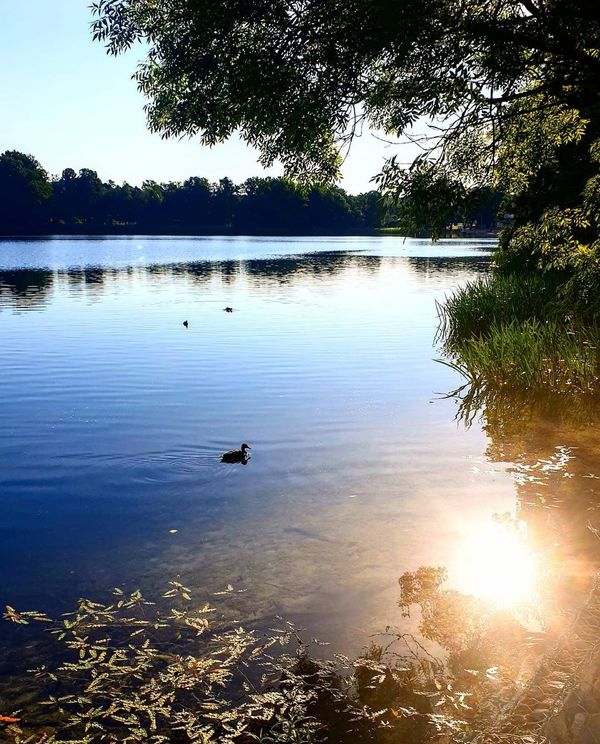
{"points": [[32, 202]]}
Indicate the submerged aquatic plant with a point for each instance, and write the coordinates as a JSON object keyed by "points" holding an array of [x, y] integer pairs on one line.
{"points": [[132, 671]]}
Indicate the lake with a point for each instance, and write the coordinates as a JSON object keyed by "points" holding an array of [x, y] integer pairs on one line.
{"points": [[113, 417]]}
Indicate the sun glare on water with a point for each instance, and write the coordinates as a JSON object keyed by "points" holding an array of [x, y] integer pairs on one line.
{"points": [[495, 563]]}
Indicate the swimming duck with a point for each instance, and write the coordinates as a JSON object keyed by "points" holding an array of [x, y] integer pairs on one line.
{"points": [[185, 323], [228, 309], [240, 455]]}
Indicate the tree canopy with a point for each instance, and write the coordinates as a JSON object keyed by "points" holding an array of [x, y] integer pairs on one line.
{"points": [[24, 190], [33, 202], [505, 92]]}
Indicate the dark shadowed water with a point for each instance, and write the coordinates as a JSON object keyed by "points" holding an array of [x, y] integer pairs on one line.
{"points": [[113, 417]]}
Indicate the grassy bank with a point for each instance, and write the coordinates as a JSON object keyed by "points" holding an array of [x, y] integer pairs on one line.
{"points": [[514, 331]]}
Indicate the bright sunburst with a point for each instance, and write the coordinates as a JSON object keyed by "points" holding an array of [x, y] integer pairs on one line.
{"points": [[496, 563]]}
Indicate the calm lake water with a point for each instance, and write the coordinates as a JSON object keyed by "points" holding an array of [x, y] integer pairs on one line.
{"points": [[113, 417]]}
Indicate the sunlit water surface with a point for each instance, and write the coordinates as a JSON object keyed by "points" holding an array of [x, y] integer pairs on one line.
{"points": [[113, 417]]}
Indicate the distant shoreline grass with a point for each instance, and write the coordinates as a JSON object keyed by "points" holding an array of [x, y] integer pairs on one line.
{"points": [[514, 331]]}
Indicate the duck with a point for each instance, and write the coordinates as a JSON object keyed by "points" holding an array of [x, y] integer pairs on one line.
{"points": [[240, 455], [185, 323], [228, 309]]}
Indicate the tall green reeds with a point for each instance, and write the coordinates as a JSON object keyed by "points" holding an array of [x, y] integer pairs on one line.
{"points": [[512, 331], [531, 353], [479, 305]]}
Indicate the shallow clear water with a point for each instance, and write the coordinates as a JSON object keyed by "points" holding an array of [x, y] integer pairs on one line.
{"points": [[113, 417]]}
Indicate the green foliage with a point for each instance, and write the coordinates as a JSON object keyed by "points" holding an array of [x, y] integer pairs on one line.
{"points": [[497, 93], [30, 202], [295, 77], [515, 331], [25, 191], [549, 169], [532, 354], [475, 307], [424, 195]]}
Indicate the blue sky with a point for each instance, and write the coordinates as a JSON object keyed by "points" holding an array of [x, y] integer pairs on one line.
{"points": [[65, 101]]}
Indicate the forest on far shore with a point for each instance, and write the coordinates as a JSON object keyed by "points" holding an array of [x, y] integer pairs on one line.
{"points": [[33, 202]]}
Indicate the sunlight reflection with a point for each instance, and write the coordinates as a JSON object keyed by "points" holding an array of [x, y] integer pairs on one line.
{"points": [[496, 564]]}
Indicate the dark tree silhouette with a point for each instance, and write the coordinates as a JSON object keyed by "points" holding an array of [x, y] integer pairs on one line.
{"points": [[25, 193], [31, 202]]}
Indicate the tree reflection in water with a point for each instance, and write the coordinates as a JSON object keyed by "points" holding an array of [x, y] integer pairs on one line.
{"points": [[30, 289], [529, 625], [553, 443]]}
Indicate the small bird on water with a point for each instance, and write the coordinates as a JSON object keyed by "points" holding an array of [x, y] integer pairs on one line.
{"points": [[185, 323], [240, 455], [228, 309]]}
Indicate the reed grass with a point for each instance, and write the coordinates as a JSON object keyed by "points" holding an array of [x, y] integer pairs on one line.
{"points": [[533, 353], [512, 331], [475, 308]]}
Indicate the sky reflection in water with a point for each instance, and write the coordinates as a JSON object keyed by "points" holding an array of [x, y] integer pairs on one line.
{"points": [[114, 416]]}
